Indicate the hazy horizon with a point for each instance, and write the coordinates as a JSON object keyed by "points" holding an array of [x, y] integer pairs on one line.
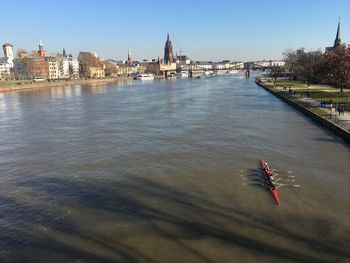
{"points": [[204, 30]]}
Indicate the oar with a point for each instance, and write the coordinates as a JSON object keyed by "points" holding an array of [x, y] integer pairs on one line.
{"points": [[280, 185], [284, 180]]}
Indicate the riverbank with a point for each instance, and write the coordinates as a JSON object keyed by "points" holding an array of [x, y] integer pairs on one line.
{"points": [[328, 117], [45, 84]]}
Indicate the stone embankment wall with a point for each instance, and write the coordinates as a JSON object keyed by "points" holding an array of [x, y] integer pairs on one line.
{"points": [[40, 85], [314, 116]]}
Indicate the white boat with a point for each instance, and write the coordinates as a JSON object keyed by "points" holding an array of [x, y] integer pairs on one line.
{"points": [[183, 74], [234, 71], [145, 76], [209, 73], [197, 74], [220, 72]]}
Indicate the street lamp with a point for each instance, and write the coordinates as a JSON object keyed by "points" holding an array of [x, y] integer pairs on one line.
{"points": [[337, 98], [337, 108]]}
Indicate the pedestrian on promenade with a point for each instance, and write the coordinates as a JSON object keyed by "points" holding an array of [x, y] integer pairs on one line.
{"points": [[339, 109]]}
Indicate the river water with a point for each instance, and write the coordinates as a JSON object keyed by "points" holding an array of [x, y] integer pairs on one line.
{"points": [[165, 171]]}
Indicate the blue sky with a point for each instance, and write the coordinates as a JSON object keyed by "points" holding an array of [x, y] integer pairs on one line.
{"points": [[204, 30]]}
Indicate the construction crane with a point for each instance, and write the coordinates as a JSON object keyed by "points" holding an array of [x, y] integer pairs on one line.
{"points": [[178, 47]]}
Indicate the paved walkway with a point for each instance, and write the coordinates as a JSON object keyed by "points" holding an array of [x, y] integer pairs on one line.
{"points": [[342, 120]]}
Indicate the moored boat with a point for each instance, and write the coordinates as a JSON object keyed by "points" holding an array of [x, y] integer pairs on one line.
{"points": [[209, 73], [145, 76], [183, 74]]}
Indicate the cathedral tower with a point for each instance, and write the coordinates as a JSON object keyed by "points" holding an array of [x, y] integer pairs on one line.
{"points": [[168, 51]]}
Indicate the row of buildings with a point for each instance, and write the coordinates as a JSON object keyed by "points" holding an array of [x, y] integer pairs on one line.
{"points": [[36, 65]]}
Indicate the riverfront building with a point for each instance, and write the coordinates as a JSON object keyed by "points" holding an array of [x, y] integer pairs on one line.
{"points": [[54, 67], [90, 65], [6, 63], [4, 69]]}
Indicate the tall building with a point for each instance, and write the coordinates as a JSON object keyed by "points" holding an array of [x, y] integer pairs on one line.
{"points": [[41, 51], [337, 41], [168, 51], [54, 68], [8, 51], [8, 54]]}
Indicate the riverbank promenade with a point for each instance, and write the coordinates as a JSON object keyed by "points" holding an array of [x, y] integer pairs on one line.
{"points": [[303, 95], [329, 111], [30, 85]]}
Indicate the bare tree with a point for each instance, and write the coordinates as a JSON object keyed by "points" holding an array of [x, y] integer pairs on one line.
{"points": [[290, 57], [307, 65], [276, 71], [110, 68], [21, 53], [338, 65]]}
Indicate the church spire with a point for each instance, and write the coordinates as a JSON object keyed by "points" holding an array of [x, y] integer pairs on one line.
{"points": [[129, 56], [337, 41]]}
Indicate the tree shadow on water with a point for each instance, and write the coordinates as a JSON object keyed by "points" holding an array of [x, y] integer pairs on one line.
{"points": [[129, 220]]}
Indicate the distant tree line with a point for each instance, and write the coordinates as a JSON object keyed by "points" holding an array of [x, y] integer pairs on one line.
{"points": [[331, 67]]}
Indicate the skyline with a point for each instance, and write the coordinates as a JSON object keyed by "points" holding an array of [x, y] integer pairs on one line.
{"points": [[206, 31]]}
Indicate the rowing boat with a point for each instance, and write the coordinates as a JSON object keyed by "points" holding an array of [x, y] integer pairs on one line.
{"points": [[269, 180]]}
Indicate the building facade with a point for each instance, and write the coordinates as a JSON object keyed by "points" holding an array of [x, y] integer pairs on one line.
{"points": [[5, 71], [54, 68], [70, 68], [90, 65]]}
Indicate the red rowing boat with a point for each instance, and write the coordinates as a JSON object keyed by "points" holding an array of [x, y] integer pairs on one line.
{"points": [[269, 180]]}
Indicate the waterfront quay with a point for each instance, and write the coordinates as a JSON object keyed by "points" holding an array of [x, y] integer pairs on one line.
{"points": [[330, 114], [158, 171]]}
